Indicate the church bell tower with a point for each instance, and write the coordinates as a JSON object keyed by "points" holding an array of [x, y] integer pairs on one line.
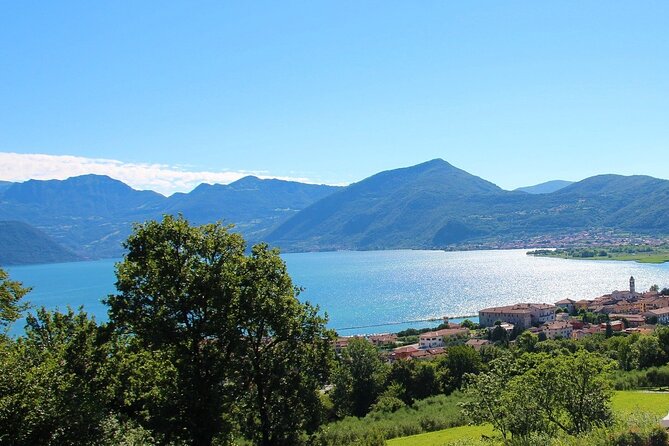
{"points": [[632, 285]]}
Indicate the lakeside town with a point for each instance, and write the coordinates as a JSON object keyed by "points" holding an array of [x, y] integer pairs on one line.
{"points": [[624, 312]]}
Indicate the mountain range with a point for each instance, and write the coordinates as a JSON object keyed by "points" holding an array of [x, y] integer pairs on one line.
{"points": [[432, 205]]}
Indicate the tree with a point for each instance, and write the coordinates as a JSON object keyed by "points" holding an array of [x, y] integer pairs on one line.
{"points": [[573, 391], [52, 381], [359, 378], [459, 361], [527, 342], [540, 394], [11, 293], [499, 335], [229, 326], [654, 288], [286, 349], [416, 379], [469, 324], [647, 352], [487, 391]]}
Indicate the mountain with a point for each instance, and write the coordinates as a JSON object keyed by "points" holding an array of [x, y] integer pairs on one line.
{"points": [[416, 207], [252, 204], [22, 244], [435, 205], [92, 215], [432, 205], [4, 185], [545, 188]]}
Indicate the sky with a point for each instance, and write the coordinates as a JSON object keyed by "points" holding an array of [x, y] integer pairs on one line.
{"points": [[164, 95]]}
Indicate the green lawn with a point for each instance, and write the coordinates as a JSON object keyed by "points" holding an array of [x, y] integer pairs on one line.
{"points": [[628, 402], [438, 438], [623, 402]]}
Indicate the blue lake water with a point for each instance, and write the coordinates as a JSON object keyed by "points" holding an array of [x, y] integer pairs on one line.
{"points": [[360, 290]]}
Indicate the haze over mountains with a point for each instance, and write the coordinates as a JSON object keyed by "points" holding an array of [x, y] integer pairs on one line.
{"points": [[432, 205]]}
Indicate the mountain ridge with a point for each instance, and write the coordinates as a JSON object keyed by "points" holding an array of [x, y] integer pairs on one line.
{"points": [[432, 205]]}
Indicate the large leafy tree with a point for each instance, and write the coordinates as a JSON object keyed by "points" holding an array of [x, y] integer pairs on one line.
{"points": [[286, 349], [459, 361], [359, 378], [540, 393], [179, 289], [52, 389], [243, 349]]}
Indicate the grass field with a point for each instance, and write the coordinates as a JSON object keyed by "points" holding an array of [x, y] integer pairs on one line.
{"points": [[656, 256], [438, 438], [623, 402]]}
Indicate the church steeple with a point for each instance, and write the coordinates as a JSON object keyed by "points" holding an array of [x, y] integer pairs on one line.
{"points": [[632, 285]]}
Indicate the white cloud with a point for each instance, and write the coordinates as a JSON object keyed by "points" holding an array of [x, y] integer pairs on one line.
{"points": [[161, 178]]}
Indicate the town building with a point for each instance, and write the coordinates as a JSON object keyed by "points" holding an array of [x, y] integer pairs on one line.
{"points": [[615, 325], [633, 320], [382, 340], [476, 344], [523, 315], [662, 315], [566, 304], [434, 339], [557, 329]]}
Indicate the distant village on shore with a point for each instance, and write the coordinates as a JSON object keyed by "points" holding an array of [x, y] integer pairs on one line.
{"points": [[624, 312]]}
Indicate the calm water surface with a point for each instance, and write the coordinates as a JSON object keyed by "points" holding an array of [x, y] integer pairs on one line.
{"points": [[361, 289]]}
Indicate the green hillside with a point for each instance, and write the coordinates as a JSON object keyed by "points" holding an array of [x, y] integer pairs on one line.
{"points": [[22, 244]]}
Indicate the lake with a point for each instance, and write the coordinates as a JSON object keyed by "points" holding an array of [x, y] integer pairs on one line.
{"points": [[362, 291]]}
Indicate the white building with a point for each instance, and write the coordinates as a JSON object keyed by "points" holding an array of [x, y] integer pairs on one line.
{"points": [[433, 339]]}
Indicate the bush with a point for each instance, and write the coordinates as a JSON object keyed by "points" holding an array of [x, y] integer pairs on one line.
{"points": [[434, 413]]}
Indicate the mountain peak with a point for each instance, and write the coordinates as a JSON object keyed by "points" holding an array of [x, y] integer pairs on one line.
{"points": [[249, 180]]}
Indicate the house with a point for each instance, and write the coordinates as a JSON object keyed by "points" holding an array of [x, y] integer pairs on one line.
{"points": [[579, 334], [615, 325], [413, 352], [505, 325], [662, 315], [582, 304], [403, 352], [633, 320], [433, 339], [557, 329], [381, 340], [476, 344], [566, 304], [576, 324], [342, 342], [523, 315]]}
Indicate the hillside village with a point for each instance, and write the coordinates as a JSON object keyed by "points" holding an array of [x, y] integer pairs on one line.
{"points": [[623, 312]]}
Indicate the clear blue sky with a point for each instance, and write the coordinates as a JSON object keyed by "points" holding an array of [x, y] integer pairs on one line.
{"points": [[517, 92]]}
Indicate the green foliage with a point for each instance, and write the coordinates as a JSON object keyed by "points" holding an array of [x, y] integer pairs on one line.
{"points": [[286, 353], [11, 307], [434, 413], [646, 352], [52, 386], [469, 324], [239, 350], [542, 394], [358, 378], [458, 362], [417, 379]]}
